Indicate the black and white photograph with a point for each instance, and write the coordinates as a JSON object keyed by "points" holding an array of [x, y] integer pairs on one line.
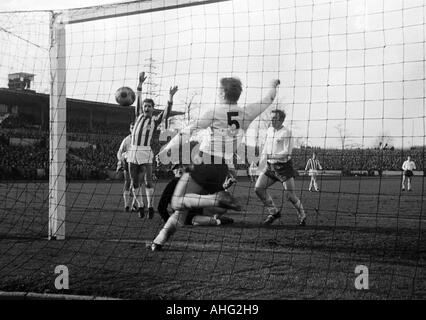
{"points": [[232, 151]]}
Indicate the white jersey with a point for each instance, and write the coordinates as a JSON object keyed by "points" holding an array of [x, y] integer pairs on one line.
{"points": [[124, 148], [227, 123], [408, 165], [278, 145]]}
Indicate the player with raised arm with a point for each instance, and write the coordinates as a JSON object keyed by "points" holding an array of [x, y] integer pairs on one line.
{"points": [[124, 166], [140, 156], [203, 186], [312, 167], [279, 167], [408, 166]]}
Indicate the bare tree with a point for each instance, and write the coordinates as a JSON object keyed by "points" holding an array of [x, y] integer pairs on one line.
{"points": [[343, 132]]}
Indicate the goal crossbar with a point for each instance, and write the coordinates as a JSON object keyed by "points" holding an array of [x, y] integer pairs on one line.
{"points": [[125, 9]]}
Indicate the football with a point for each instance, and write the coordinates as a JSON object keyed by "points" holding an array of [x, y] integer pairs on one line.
{"points": [[125, 96]]}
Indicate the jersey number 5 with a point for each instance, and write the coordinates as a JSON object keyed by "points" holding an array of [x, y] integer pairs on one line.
{"points": [[233, 122]]}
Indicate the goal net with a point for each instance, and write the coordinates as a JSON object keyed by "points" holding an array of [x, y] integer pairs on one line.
{"points": [[352, 87]]}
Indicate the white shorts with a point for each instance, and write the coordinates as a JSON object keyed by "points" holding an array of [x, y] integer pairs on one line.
{"points": [[253, 172], [140, 155], [313, 173]]}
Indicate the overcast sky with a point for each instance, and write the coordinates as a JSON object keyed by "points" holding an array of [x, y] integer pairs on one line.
{"points": [[346, 68]]}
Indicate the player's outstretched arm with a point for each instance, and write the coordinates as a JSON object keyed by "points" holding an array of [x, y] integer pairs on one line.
{"points": [[168, 109], [253, 110], [138, 106]]}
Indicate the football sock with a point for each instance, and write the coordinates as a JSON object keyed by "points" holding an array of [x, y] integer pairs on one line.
{"points": [[126, 196], [270, 205], [149, 196], [299, 207], [138, 197], [205, 221], [175, 220]]}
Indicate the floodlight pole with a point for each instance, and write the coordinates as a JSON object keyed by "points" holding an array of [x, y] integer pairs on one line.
{"points": [[57, 129]]}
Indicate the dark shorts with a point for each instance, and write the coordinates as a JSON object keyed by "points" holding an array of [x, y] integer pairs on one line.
{"points": [[210, 176], [408, 173], [135, 169], [281, 171]]}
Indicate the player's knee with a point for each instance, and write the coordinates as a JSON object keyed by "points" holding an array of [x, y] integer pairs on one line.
{"points": [[259, 191], [177, 203], [177, 219], [148, 184]]}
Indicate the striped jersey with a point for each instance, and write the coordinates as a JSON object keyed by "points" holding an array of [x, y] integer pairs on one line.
{"points": [[145, 127], [313, 164]]}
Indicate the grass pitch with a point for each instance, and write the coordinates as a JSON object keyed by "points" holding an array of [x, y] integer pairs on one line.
{"points": [[352, 221]]}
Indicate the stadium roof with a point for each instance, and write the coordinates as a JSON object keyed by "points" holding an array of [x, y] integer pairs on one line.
{"points": [[28, 97]]}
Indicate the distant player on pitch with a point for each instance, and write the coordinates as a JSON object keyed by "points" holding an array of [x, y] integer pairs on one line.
{"points": [[253, 171], [312, 167], [123, 165], [140, 156], [408, 166], [279, 168]]}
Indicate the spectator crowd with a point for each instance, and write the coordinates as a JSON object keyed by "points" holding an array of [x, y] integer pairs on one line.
{"points": [[98, 156]]}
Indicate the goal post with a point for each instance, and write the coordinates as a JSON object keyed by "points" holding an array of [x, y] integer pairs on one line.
{"points": [[58, 63], [58, 136]]}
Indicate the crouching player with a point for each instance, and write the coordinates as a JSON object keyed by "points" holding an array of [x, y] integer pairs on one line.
{"points": [[279, 167], [196, 217]]}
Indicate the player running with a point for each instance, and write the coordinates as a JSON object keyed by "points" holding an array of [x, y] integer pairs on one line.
{"points": [[124, 166], [312, 167], [140, 156], [279, 167], [408, 166], [203, 186]]}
